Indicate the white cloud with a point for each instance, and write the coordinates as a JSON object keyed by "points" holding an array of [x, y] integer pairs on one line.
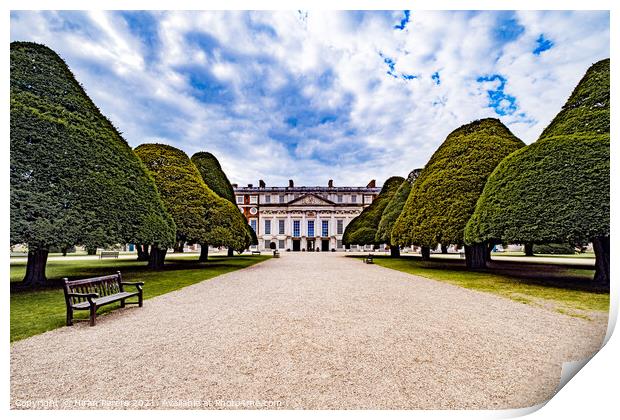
{"points": [[268, 72]]}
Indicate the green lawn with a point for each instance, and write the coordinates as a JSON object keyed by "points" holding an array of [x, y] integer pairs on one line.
{"points": [[562, 288], [33, 312]]}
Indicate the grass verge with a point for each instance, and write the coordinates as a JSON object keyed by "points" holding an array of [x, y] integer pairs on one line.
{"points": [[561, 288], [37, 311]]}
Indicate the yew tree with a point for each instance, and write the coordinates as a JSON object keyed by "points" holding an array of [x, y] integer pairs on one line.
{"points": [[201, 216], [557, 189], [362, 230], [444, 196], [213, 175], [392, 211], [74, 179]]}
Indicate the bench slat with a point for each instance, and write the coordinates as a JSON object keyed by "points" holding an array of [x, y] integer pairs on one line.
{"points": [[106, 299]]}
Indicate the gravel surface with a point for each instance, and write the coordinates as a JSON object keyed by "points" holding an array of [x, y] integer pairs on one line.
{"points": [[306, 331]]}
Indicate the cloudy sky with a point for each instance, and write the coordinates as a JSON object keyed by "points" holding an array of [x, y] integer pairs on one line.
{"points": [[313, 96]]}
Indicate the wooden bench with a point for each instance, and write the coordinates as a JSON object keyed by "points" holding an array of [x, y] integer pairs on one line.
{"points": [[276, 254], [368, 259], [255, 252], [108, 254], [461, 255], [90, 294]]}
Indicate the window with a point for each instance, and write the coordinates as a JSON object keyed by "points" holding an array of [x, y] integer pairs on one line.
{"points": [[339, 226], [310, 228], [267, 243], [282, 201], [339, 244], [281, 244], [339, 198], [296, 228], [253, 224], [325, 228], [239, 199], [267, 199], [281, 227], [354, 198], [367, 199], [253, 199], [267, 227]]}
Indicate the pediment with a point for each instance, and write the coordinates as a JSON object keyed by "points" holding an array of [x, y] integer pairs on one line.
{"points": [[310, 200]]}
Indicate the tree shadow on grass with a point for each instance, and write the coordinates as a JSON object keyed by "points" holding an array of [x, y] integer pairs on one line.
{"points": [[130, 269], [564, 276]]}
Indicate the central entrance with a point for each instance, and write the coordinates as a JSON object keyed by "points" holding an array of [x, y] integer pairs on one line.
{"points": [[324, 244], [296, 244], [310, 245]]}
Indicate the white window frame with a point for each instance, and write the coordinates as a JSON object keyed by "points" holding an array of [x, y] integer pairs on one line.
{"points": [[253, 199], [239, 199], [267, 227], [267, 199], [281, 227]]}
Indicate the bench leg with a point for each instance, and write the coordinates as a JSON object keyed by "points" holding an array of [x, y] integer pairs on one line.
{"points": [[140, 299], [69, 317], [93, 315], [122, 303]]}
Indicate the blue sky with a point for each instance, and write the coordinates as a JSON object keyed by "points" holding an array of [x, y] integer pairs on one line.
{"points": [[312, 96]]}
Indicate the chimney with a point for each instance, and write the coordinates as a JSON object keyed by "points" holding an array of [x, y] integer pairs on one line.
{"points": [[330, 183], [290, 183], [234, 185], [371, 184], [261, 183], [249, 185]]}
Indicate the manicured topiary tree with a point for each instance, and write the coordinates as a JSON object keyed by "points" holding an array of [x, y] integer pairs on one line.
{"points": [[200, 215], [362, 230], [74, 179], [392, 211], [213, 175], [556, 189], [444, 196], [215, 178]]}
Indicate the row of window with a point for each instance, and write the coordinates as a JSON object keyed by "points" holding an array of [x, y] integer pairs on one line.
{"points": [[281, 244], [281, 199], [297, 227]]}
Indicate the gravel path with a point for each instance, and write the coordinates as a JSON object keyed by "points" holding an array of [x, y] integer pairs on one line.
{"points": [[306, 331]]}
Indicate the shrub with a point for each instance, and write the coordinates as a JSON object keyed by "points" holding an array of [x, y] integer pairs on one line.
{"points": [[556, 249]]}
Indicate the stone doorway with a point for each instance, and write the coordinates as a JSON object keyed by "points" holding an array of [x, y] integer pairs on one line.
{"points": [[311, 245], [296, 244], [324, 244]]}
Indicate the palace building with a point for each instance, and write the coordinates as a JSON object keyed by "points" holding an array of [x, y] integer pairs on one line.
{"points": [[302, 218]]}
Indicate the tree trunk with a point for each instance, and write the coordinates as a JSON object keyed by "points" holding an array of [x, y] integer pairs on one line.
{"points": [[157, 257], [394, 251], [476, 256], [91, 251], [444, 249], [35, 268], [204, 253], [489, 250], [231, 252], [143, 252], [426, 253], [601, 251], [529, 249], [178, 246]]}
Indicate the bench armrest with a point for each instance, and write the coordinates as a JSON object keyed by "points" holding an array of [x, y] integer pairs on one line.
{"points": [[138, 284], [88, 296]]}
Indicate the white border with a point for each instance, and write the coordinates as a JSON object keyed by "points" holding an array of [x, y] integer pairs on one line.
{"points": [[592, 394]]}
